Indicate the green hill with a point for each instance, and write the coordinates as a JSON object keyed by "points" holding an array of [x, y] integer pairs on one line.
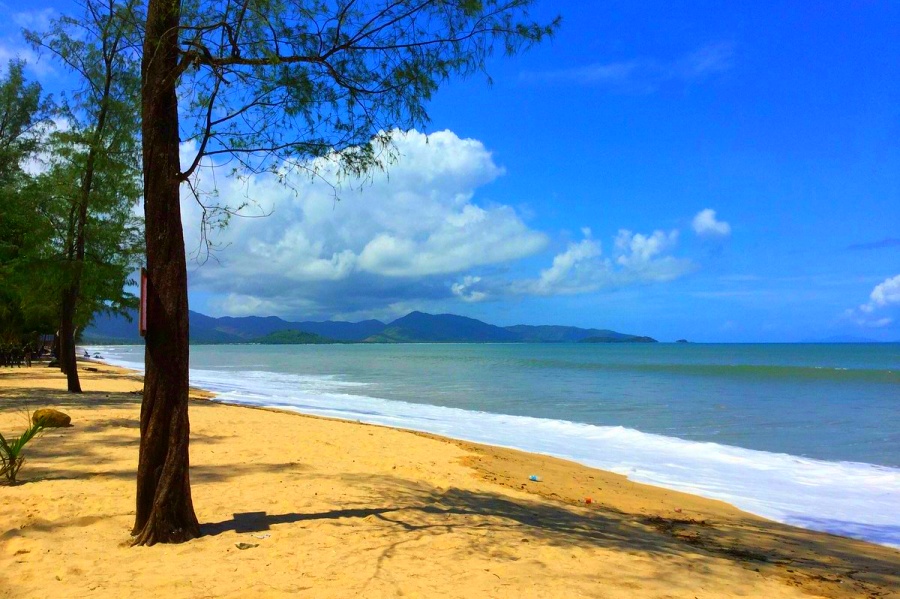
{"points": [[415, 327], [292, 337], [418, 327]]}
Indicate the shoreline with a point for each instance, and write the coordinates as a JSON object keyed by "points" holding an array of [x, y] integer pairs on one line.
{"points": [[626, 525], [855, 499]]}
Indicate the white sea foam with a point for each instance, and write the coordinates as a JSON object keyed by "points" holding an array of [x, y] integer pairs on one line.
{"points": [[846, 498]]}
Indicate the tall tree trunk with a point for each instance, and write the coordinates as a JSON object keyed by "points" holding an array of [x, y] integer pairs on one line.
{"points": [[67, 360], [73, 292], [67, 307], [59, 344], [165, 512], [55, 346]]}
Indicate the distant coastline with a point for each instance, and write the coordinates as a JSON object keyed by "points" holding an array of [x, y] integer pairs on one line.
{"points": [[415, 327]]}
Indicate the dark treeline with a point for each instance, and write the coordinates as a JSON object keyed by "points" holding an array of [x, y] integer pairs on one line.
{"points": [[70, 239]]}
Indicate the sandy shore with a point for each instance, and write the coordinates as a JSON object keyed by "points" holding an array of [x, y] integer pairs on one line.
{"points": [[337, 509]]}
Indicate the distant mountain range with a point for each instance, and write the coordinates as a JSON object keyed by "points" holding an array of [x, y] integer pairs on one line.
{"points": [[415, 327]]}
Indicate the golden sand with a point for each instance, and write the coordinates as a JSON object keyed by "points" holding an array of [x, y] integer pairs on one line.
{"points": [[336, 509]]}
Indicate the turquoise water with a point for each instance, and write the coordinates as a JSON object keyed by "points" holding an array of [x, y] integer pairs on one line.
{"points": [[802, 434], [832, 402]]}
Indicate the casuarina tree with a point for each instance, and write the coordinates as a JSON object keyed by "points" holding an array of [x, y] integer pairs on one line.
{"points": [[273, 85], [23, 116], [93, 162]]}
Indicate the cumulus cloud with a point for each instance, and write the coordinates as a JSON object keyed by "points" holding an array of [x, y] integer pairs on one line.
{"points": [[465, 291], [419, 236], [468, 237], [706, 225], [643, 254], [576, 270], [884, 294], [884, 297], [398, 236], [583, 268]]}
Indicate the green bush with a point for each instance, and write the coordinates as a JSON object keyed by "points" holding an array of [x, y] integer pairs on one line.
{"points": [[11, 458]]}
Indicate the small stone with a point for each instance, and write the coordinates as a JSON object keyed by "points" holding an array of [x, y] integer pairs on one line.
{"points": [[51, 418], [246, 545]]}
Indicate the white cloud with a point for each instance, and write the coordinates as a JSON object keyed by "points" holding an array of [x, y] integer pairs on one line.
{"points": [[576, 270], [644, 75], [582, 267], [884, 294], [643, 257], [34, 19], [463, 290], [43, 160], [37, 66], [236, 304], [396, 237], [706, 225], [637, 250], [471, 236], [412, 238]]}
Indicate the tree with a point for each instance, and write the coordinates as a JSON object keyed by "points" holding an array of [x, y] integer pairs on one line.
{"points": [[23, 112], [112, 238], [94, 166], [274, 85]]}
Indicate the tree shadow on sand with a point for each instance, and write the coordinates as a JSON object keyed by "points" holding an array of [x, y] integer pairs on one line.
{"points": [[415, 507], [28, 399], [820, 563]]}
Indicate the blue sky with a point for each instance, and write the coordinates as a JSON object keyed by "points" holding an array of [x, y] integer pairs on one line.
{"points": [[715, 172]]}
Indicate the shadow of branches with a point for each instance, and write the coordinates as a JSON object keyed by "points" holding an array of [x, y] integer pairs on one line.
{"points": [[828, 565]]}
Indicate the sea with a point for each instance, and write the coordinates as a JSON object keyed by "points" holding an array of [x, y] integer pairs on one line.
{"points": [[805, 434]]}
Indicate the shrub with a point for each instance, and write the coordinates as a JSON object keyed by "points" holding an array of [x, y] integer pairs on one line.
{"points": [[11, 458]]}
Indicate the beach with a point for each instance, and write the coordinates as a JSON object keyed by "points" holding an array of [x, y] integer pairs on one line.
{"points": [[328, 508]]}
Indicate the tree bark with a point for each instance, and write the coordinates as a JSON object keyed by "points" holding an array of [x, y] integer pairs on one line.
{"points": [[67, 307], [165, 511], [67, 360], [55, 346], [72, 293]]}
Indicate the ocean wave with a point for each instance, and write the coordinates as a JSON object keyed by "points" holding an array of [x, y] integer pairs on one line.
{"points": [[746, 371], [847, 498]]}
